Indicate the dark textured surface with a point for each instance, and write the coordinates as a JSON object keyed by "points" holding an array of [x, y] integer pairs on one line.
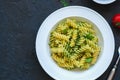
{"points": [[19, 23]]}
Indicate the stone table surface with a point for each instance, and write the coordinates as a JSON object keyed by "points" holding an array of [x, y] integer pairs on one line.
{"points": [[19, 23]]}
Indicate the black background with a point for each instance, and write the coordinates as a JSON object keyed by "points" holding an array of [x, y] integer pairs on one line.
{"points": [[19, 23]]}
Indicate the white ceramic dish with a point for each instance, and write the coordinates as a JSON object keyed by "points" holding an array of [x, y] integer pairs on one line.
{"points": [[106, 40], [104, 1]]}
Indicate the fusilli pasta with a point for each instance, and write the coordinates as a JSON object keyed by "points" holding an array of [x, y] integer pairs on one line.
{"points": [[74, 44]]}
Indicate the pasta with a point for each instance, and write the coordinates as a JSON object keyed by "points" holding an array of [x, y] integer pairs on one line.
{"points": [[74, 44]]}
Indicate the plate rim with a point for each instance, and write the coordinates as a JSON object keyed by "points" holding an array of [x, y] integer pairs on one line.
{"points": [[104, 2]]}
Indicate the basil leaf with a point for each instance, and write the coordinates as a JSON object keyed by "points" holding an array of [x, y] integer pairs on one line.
{"points": [[88, 60], [64, 31], [89, 36], [64, 2]]}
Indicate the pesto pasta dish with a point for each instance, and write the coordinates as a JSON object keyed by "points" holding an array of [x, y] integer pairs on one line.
{"points": [[74, 44]]}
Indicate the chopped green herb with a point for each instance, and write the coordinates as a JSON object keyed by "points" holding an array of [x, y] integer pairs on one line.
{"points": [[89, 36], [88, 60], [64, 2], [64, 31]]}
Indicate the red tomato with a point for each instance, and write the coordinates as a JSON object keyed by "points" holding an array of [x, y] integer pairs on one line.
{"points": [[116, 20]]}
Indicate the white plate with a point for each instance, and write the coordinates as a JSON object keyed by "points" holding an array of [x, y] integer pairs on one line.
{"points": [[104, 1], [106, 40]]}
